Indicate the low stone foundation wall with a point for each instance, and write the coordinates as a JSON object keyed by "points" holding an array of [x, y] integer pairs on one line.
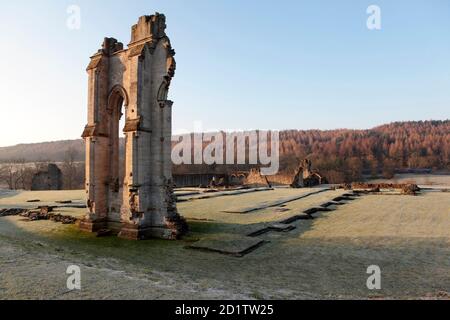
{"points": [[403, 188], [42, 213]]}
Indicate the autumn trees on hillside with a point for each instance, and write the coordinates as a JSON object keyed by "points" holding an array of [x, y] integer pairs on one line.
{"points": [[344, 155], [340, 155]]}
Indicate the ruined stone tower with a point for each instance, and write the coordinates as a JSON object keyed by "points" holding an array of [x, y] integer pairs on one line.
{"points": [[138, 78]]}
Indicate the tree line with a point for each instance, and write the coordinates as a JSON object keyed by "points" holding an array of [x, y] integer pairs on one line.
{"points": [[340, 155], [17, 174], [348, 155]]}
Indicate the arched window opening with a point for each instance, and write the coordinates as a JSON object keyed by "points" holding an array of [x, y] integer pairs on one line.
{"points": [[163, 91], [117, 108], [122, 139]]}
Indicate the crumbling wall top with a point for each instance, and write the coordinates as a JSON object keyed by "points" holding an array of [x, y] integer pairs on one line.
{"points": [[148, 28], [111, 46]]}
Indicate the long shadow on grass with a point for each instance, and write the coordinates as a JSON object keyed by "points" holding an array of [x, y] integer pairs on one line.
{"points": [[313, 266]]}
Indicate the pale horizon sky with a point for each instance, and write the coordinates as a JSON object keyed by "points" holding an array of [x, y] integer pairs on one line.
{"points": [[240, 64]]}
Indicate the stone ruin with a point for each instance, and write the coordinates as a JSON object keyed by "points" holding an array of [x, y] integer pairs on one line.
{"points": [[255, 178], [49, 179], [143, 205], [403, 188], [306, 177]]}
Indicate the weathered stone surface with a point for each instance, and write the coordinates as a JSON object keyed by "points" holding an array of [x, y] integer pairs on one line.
{"points": [[44, 214], [305, 177], [50, 179], [137, 78], [403, 188], [11, 212]]}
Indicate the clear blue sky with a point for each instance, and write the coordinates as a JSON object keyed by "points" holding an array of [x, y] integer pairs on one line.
{"points": [[241, 64]]}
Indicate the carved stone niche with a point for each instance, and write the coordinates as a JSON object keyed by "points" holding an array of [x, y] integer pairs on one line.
{"points": [[132, 83]]}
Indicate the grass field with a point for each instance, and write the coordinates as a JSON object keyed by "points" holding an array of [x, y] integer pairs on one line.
{"points": [[407, 236]]}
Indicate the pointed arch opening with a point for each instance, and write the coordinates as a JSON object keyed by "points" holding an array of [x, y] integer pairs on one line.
{"points": [[163, 91], [117, 108]]}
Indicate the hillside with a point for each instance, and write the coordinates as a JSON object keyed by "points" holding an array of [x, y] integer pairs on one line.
{"points": [[45, 151], [345, 154], [340, 154]]}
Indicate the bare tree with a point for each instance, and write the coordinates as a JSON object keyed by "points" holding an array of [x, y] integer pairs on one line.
{"points": [[20, 167], [70, 169], [28, 173], [5, 175], [13, 173]]}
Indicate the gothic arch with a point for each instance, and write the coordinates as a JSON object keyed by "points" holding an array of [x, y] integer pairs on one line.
{"points": [[163, 91], [118, 92]]}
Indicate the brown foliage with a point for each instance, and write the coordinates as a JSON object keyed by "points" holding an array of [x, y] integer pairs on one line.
{"points": [[340, 155], [344, 155]]}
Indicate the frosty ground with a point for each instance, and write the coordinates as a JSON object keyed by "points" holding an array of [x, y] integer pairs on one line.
{"points": [[323, 258]]}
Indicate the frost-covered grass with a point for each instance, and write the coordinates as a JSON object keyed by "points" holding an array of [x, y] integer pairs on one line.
{"points": [[408, 237]]}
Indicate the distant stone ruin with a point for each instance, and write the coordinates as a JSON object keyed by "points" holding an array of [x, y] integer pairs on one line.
{"points": [[255, 178], [142, 205], [306, 177], [48, 179]]}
